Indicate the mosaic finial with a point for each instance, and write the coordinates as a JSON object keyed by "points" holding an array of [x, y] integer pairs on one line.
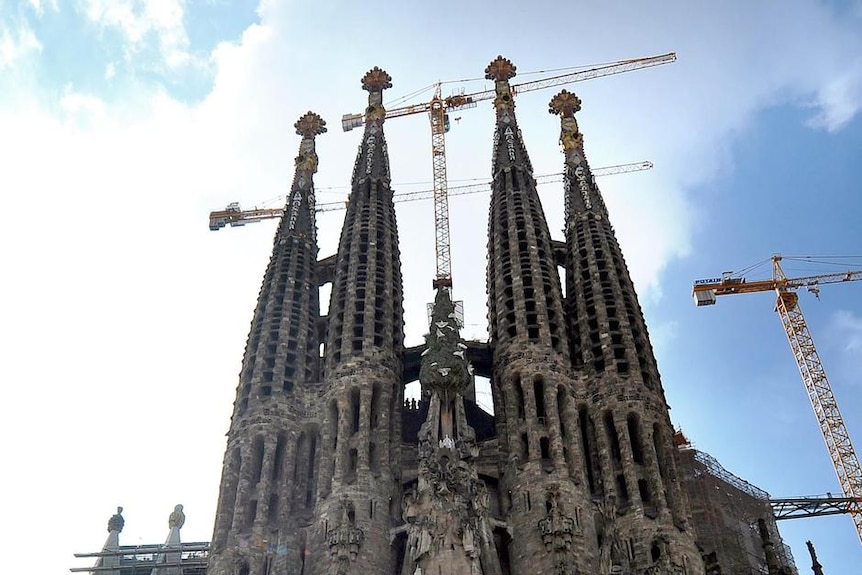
{"points": [[564, 104], [310, 125], [500, 69], [376, 80]]}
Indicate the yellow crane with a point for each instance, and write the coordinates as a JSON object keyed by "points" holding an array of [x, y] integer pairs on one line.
{"points": [[234, 215], [438, 109], [817, 386]]}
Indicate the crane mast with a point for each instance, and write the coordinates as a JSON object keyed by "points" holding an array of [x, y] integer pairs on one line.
{"points": [[817, 386], [437, 114]]}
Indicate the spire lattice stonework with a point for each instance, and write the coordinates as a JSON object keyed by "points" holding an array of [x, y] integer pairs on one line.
{"points": [[261, 490]]}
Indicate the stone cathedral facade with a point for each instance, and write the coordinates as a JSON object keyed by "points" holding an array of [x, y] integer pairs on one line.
{"points": [[328, 471]]}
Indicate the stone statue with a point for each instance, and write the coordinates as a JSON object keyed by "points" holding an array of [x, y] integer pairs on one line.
{"points": [[116, 522], [177, 518], [612, 558]]}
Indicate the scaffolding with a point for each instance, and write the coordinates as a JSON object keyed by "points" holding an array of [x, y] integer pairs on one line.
{"points": [[726, 509], [190, 558]]}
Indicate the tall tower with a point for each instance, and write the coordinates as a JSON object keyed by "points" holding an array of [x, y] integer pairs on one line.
{"points": [[363, 367], [626, 432], [268, 479], [533, 388]]}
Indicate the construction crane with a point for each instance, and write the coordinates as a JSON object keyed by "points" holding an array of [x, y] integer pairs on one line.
{"points": [[234, 215], [438, 109], [817, 386]]}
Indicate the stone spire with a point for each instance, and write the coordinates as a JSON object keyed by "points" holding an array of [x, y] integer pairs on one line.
{"points": [[282, 348], [269, 476], [630, 459], [533, 394], [509, 150], [447, 516], [363, 366], [520, 259], [366, 314]]}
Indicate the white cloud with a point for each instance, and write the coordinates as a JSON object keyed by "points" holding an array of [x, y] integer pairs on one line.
{"points": [[839, 100], [16, 44], [849, 327], [138, 20]]}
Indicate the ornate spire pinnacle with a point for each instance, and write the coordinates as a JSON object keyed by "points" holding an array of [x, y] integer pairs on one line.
{"points": [[501, 70], [372, 162], [565, 104], [310, 125], [375, 81], [299, 218], [509, 150], [444, 365], [578, 175]]}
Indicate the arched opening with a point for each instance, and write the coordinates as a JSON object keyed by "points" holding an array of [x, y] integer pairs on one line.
{"points": [[354, 410], [257, 459], [539, 395], [278, 459], [375, 408], [519, 397], [613, 437], [591, 455], [634, 428]]}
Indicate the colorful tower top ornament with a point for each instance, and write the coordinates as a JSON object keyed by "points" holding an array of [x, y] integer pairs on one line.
{"points": [[375, 81], [565, 104], [501, 70], [308, 126]]}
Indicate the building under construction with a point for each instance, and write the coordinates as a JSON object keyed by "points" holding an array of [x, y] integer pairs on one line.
{"points": [[329, 470]]}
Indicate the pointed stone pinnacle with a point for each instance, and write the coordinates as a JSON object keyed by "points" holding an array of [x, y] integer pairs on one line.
{"points": [[500, 69], [376, 80], [310, 125], [564, 104]]}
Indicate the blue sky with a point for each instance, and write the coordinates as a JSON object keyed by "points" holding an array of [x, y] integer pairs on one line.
{"points": [[123, 123]]}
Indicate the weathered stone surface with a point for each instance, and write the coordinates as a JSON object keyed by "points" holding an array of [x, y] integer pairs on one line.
{"points": [[329, 472]]}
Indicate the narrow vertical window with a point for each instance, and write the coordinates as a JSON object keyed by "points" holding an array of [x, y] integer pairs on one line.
{"points": [[333, 423], [519, 397], [272, 510], [375, 408], [613, 438], [539, 395], [257, 460], [278, 459], [634, 428], [354, 410]]}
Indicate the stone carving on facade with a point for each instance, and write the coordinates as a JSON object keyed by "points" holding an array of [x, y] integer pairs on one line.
{"points": [[345, 539], [612, 557], [446, 515], [557, 531], [663, 564], [116, 522]]}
